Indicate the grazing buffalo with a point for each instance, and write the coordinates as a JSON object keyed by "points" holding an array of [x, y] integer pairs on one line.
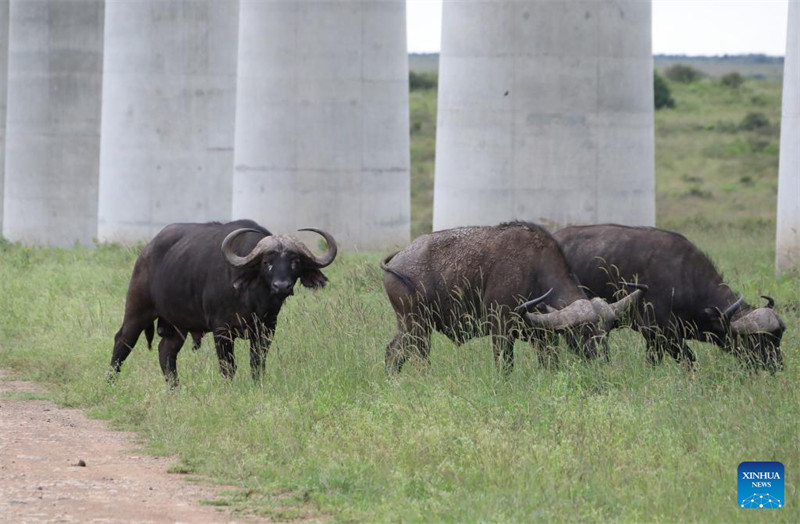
{"points": [[687, 298], [228, 279], [474, 281]]}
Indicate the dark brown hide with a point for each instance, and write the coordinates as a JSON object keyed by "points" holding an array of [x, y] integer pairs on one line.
{"points": [[687, 297], [183, 281], [467, 282]]}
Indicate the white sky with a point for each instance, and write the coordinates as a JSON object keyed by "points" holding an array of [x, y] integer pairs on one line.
{"points": [[689, 27]]}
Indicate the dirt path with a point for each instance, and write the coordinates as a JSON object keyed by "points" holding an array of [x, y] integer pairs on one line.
{"points": [[40, 479]]}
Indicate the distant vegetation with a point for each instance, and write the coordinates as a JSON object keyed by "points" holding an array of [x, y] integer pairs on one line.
{"points": [[683, 73], [662, 93], [417, 81], [749, 66], [733, 80]]}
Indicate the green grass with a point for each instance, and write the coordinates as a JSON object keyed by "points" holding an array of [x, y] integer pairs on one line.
{"points": [[422, 113], [327, 435], [709, 168]]}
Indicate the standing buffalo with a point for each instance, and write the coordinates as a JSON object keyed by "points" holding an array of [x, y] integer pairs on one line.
{"points": [[472, 281], [228, 279], [687, 298]]}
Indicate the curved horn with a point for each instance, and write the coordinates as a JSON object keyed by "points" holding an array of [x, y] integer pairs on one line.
{"points": [[531, 303], [770, 301], [621, 306], [326, 258], [762, 320], [579, 312], [251, 258], [733, 308], [605, 312], [635, 285]]}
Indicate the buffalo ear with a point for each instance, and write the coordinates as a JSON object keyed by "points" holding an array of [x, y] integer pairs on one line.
{"points": [[714, 316], [712, 313], [244, 280], [313, 278]]}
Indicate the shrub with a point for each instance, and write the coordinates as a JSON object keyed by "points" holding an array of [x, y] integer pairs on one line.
{"points": [[732, 80], [682, 73], [753, 121], [422, 80], [663, 96]]}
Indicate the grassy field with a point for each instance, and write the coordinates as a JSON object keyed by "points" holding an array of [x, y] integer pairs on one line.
{"points": [[328, 435]]}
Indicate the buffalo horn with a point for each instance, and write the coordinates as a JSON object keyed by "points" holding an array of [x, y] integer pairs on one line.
{"points": [[579, 312], [621, 306], [733, 308], [761, 320], [251, 258], [531, 303], [770, 301], [605, 312], [329, 255]]}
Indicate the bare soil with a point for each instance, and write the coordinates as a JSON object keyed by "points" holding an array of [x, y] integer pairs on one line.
{"points": [[57, 465]]}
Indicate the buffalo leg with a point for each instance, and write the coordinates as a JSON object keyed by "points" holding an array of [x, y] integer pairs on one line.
{"points": [[410, 338], [655, 345], [124, 341], [681, 353], [168, 349], [259, 347], [197, 340], [395, 356], [224, 345]]}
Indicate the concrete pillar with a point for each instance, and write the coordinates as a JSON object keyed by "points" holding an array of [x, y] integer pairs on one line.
{"points": [[53, 121], [4, 25], [322, 135], [168, 107], [788, 230], [545, 113]]}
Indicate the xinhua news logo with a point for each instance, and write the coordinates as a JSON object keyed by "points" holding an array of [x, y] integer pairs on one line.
{"points": [[761, 485]]}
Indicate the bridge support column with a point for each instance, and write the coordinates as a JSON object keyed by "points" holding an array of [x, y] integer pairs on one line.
{"points": [[4, 26], [545, 113], [55, 57], [787, 252], [322, 136], [169, 92]]}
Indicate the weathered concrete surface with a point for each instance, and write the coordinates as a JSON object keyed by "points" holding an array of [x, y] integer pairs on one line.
{"points": [[168, 115], [322, 135], [55, 62], [4, 25], [788, 226], [545, 113]]}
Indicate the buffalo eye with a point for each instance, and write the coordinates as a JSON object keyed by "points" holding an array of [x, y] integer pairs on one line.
{"points": [[295, 263], [269, 267]]}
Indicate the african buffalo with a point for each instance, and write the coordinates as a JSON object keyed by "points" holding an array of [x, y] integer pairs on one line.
{"points": [[473, 281], [228, 279], [687, 298]]}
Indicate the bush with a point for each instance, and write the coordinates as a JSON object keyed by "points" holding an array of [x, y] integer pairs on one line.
{"points": [[663, 96], [732, 80], [683, 74], [754, 121], [422, 80]]}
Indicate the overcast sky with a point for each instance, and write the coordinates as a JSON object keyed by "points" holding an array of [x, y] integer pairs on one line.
{"points": [[689, 27]]}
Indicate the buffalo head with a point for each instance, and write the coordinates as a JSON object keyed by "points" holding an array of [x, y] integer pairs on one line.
{"points": [[755, 336], [585, 323], [280, 260]]}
